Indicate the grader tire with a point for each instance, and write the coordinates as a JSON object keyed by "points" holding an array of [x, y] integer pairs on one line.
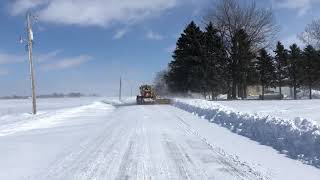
{"points": [[139, 100]]}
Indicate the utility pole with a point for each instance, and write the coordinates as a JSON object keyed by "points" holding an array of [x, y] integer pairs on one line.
{"points": [[120, 88], [30, 40]]}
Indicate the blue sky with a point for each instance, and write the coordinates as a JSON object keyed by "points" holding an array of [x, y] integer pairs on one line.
{"points": [[85, 46]]}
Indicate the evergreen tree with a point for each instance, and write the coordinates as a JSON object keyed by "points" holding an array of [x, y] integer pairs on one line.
{"points": [[281, 59], [241, 65], [310, 68], [293, 67], [185, 70], [265, 69], [214, 56]]}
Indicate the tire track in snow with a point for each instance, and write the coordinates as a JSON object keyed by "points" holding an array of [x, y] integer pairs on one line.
{"points": [[182, 161], [146, 142], [90, 161], [134, 163], [128, 166], [227, 163], [232, 166]]}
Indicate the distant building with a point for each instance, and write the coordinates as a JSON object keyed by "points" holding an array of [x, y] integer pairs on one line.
{"points": [[257, 90]]}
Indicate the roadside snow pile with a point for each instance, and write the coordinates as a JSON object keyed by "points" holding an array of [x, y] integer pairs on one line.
{"points": [[14, 123], [116, 102], [298, 138]]}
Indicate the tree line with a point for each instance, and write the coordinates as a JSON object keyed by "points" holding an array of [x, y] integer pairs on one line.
{"points": [[202, 62], [233, 52]]}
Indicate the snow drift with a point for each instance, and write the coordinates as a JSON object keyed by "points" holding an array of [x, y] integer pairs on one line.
{"points": [[15, 123], [114, 101], [298, 138]]}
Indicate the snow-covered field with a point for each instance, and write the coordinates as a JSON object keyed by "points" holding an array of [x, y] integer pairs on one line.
{"points": [[18, 106], [108, 139]]}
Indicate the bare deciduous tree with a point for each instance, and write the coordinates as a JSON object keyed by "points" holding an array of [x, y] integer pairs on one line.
{"points": [[311, 34], [229, 16]]}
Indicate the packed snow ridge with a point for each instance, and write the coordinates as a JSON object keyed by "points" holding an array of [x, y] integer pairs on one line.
{"points": [[298, 138]]}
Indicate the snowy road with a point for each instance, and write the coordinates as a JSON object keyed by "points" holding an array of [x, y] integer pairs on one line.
{"points": [[133, 142], [146, 143]]}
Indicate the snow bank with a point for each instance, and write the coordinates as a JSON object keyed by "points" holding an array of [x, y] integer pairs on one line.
{"points": [[116, 102], [285, 109], [298, 138]]}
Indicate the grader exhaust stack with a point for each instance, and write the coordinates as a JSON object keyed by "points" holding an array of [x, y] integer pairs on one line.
{"points": [[148, 96]]}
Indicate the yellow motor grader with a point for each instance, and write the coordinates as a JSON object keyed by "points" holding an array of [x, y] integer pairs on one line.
{"points": [[148, 96]]}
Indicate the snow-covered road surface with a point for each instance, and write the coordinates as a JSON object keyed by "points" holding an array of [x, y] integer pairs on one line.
{"points": [[140, 142]]}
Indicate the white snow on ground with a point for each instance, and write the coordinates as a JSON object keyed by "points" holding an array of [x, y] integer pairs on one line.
{"points": [[116, 102], [285, 109], [11, 124], [298, 138], [99, 141], [259, 157], [18, 106], [30, 143]]}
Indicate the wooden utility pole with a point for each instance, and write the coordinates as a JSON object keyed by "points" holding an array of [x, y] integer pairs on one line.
{"points": [[30, 40], [120, 89]]}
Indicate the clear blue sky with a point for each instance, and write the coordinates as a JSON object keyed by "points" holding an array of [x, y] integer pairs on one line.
{"points": [[84, 46]]}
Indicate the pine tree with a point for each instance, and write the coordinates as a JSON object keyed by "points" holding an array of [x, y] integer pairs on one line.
{"points": [[265, 69], [241, 63], [214, 56], [185, 70], [281, 59], [293, 67], [310, 68]]}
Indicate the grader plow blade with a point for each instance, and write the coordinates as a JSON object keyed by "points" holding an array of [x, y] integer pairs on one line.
{"points": [[163, 101]]}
